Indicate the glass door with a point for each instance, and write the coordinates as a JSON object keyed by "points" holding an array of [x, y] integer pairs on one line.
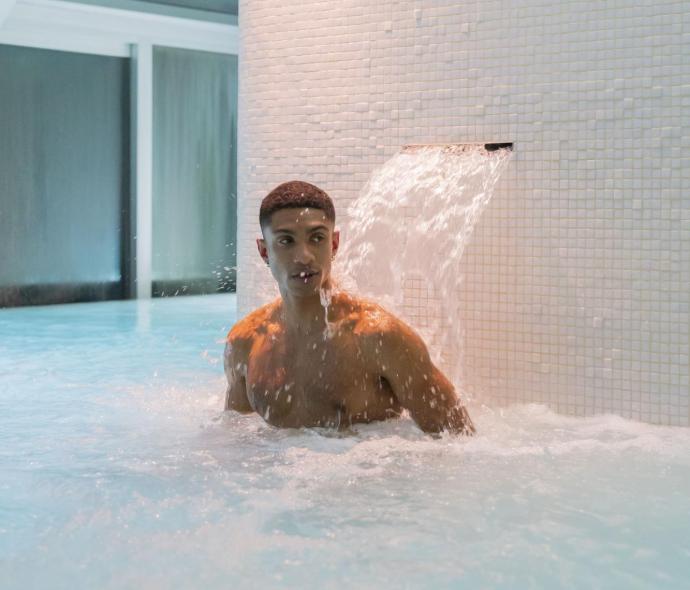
{"points": [[194, 171], [64, 176]]}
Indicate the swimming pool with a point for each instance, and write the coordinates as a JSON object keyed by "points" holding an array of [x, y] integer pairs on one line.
{"points": [[119, 470]]}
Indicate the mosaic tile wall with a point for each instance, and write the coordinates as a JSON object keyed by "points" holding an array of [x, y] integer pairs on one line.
{"points": [[577, 282]]}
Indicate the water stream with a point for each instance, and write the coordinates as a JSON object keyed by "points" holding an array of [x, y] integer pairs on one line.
{"points": [[406, 235]]}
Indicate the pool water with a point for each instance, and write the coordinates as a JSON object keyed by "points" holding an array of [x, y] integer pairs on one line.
{"points": [[119, 469]]}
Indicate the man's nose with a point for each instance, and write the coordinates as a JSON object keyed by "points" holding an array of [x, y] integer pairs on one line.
{"points": [[303, 255]]}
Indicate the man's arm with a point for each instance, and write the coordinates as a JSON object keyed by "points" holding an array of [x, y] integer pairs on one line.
{"points": [[235, 371], [419, 386]]}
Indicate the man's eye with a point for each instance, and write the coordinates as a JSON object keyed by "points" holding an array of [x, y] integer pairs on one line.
{"points": [[284, 241], [318, 238]]}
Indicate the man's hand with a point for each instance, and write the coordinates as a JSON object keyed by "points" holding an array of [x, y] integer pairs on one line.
{"points": [[458, 421]]}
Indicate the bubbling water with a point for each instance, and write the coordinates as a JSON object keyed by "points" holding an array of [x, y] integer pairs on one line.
{"points": [[406, 235]]}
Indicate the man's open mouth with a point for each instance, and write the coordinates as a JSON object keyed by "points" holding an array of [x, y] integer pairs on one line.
{"points": [[305, 275]]}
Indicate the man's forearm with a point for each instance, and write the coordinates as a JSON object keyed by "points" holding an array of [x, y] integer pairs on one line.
{"points": [[438, 408]]}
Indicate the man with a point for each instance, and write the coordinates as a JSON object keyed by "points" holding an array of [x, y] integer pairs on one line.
{"points": [[317, 358]]}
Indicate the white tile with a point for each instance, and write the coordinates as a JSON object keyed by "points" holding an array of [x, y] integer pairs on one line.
{"points": [[577, 277]]}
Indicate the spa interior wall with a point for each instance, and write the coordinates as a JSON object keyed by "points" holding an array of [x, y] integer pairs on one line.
{"points": [[577, 281]]}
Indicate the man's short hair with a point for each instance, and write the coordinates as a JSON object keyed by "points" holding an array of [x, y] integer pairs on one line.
{"points": [[295, 194]]}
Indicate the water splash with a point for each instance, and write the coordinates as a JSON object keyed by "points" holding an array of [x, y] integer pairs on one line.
{"points": [[326, 296], [407, 233]]}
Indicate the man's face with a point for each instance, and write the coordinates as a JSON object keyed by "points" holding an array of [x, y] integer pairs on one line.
{"points": [[298, 245]]}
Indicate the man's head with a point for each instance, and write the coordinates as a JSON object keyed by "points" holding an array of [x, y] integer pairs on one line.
{"points": [[299, 238], [295, 194]]}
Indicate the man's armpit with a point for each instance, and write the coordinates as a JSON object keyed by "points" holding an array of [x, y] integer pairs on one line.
{"points": [[236, 396], [236, 392]]}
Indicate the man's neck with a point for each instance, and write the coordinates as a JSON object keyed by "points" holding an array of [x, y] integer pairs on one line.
{"points": [[304, 315]]}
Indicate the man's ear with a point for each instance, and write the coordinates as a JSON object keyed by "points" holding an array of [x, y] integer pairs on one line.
{"points": [[335, 241], [263, 250]]}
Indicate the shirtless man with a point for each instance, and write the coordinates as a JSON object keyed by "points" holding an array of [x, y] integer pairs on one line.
{"points": [[299, 363]]}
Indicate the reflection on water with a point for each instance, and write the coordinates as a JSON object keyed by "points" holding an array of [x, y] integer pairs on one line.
{"points": [[119, 469]]}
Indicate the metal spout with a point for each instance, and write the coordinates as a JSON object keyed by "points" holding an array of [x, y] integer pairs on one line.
{"points": [[457, 148]]}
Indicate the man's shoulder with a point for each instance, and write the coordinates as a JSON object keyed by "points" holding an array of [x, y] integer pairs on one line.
{"points": [[244, 331], [382, 336], [367, 318]]}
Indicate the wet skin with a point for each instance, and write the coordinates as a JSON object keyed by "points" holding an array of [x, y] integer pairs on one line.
{"points": [[297, 366]]}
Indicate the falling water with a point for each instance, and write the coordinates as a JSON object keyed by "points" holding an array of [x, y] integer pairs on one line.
{"points": [[407, 233]]}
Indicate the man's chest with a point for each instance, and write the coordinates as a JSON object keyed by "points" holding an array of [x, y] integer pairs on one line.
{"points": [[310, 382]]}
